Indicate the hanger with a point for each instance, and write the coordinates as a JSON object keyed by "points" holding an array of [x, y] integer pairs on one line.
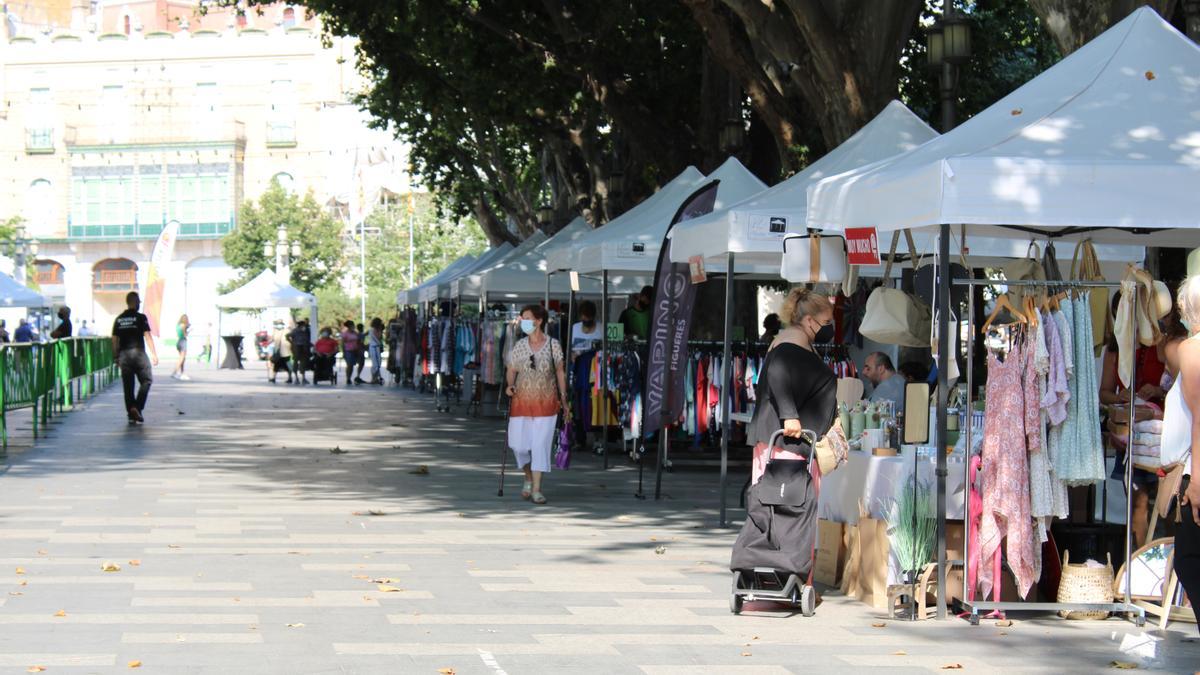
{"points": [[1031, 309], [1003, 303]]}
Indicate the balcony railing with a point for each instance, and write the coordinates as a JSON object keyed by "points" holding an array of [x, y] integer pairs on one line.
{"points": [[39, 141], [150, 132], [115, 281]]}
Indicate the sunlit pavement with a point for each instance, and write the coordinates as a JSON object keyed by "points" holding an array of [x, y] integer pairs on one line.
{"points": [[283, 529]]}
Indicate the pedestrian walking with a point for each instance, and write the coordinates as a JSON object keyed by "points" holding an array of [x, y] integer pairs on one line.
{"points": [[24, 332], [281, 354], [64, 324], [301, 350], [206, 351], [1182, 407], [375, 348], [537, 385], [362, 354], [182, 328], [131, 338], [350, 351]]}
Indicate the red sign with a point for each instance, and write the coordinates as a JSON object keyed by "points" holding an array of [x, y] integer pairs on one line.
{"points": [[696, 267], [862, 246]]}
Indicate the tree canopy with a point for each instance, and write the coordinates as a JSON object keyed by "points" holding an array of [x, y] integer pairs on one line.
{"points": [[511, 105]]}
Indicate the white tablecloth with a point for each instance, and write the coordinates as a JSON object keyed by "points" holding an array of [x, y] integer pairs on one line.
{"points": [[875, 481]]}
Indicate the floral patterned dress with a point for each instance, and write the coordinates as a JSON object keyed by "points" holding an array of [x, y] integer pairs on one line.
{"points": [[1012, 428]]}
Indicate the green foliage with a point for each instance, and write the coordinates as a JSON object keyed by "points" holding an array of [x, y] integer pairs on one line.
{"points": [[914, 525], [1009, 47], [9, 230], [336, 306], [437, 243], [319, 234]]}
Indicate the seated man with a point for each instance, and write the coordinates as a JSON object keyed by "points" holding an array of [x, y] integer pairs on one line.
{"points": [[889, 386]]}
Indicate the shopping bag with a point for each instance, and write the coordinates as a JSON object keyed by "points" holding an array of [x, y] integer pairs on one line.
{"points": [[562, 457], [1085, 266], [894, 317]]}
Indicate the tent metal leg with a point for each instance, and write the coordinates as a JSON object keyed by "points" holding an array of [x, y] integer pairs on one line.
{"points": [[604, 366], [939, 445], [726, 394]]}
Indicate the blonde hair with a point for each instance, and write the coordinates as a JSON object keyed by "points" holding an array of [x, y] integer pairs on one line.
{"points": [[1189, 301], [802, 302]]}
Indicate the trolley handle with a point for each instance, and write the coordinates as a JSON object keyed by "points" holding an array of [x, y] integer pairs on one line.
{"points": [[808, 434]]}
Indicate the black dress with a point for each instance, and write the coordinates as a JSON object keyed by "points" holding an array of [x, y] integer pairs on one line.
{"points": [[795, 384]]}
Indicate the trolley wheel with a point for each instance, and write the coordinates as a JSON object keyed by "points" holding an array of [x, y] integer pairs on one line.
{"points": [[1139, 620], [808, 601], [973, 619], [735, 600]]}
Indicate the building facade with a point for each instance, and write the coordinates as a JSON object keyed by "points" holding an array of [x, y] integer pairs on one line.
{"points": [[142, 113]]}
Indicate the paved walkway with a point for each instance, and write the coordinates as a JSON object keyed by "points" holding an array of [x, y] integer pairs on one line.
{"points": [[276, 529]]}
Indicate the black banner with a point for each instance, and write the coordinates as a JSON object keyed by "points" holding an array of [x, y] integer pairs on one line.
{"points": [[674, 295]]}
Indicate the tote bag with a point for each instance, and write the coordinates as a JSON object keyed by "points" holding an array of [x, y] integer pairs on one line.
{"points": [[1085, 266], [893, 317]]}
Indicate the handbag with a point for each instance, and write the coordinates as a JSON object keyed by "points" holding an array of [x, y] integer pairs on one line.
{"points": [[1085, 266], [813, 258], [1050, 264], [893, 317], [562, 457], [833, 450]]}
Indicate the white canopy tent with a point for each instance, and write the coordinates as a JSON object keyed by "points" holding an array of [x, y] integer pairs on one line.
{"points": [[468, 281], [1104, 145], [419, 293], [754, 227], [633, 241], [569, 256], [15, 294], [264, 291]]}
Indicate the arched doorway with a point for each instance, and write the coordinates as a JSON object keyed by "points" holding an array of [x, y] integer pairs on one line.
{"points": [[112, 279]]}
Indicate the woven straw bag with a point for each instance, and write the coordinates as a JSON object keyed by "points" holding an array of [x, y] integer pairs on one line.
{"points": [[1081, 583]]}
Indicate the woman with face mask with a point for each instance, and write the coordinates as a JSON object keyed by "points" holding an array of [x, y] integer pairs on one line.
{"points": [[797, 391], [537, 385]]}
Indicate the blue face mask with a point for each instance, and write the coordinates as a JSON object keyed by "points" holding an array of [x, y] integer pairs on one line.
{"points": [[1186, 325], [527, 326]]}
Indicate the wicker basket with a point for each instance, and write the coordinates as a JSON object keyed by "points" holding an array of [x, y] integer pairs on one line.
{"points": [[1081, 583]]}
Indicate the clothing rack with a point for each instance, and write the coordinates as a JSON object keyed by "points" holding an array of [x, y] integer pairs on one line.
{"points": [[974, 607]]}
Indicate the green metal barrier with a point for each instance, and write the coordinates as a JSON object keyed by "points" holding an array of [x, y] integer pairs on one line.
{"points": [[51, 376]]}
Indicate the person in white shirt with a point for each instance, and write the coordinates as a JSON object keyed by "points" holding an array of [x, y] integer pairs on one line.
{"points": [[1181, 443], [585, 334], [84, 331]]}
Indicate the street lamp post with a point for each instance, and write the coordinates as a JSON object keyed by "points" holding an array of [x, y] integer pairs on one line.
{"points": [[22, 250], [949, 43], [283, 253]]}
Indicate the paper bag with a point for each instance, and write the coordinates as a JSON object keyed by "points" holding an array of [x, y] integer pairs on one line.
{"points": [[853, 555], [875, 550], [831, 553]]}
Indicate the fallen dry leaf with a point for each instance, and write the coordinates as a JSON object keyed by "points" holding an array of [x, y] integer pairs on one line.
{"points": [[15, 593], [879, 625], [24, 583], [61, 612], [110, 567], [1005, 623], [1123, 665], [421, 470], [900, 653], [135, 563], [385, 580], [376, 512], [337, 450], [360, 576], [42, 551], [1017, 111], [295, 625], [747, 654], [20, 570], [174, 546], [952, 666], [1150, 75], [35, 669], [135, 664], [384, 588], [660, 550], [446, 671]]}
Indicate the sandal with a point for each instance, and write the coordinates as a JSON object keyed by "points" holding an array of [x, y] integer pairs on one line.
{"points": [[539, 498], [526, 489]]}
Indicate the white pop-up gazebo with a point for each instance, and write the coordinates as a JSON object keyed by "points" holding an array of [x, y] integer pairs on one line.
{"points": [[265, 291], [467, 282], [1103, 145], [416, 294]]}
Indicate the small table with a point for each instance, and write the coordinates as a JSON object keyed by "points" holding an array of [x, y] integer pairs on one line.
{"points": [[233, 352]]}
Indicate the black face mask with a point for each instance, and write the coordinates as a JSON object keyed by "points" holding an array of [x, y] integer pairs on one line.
{"points": [[824, 335], [588, 323]]}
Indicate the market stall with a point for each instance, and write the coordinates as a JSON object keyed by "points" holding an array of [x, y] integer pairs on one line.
{"points": [[15, 294], [1101, 146], [264, 291]]}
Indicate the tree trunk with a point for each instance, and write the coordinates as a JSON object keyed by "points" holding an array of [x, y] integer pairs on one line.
{"points": [[1074, 23], [493, 228]]}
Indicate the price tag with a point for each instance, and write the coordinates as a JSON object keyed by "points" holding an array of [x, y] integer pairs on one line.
{"points": [[616, 332]]}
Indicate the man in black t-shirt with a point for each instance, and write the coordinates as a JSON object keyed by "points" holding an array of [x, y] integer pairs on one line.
{"points": [[64, 327], [131, 337]]}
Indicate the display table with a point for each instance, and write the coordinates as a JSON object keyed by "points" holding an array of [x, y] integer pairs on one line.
{"points": [[233, 352], [875, 481]]}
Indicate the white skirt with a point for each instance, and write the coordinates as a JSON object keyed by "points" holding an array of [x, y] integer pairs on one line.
{"points": [[532, 441]]}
